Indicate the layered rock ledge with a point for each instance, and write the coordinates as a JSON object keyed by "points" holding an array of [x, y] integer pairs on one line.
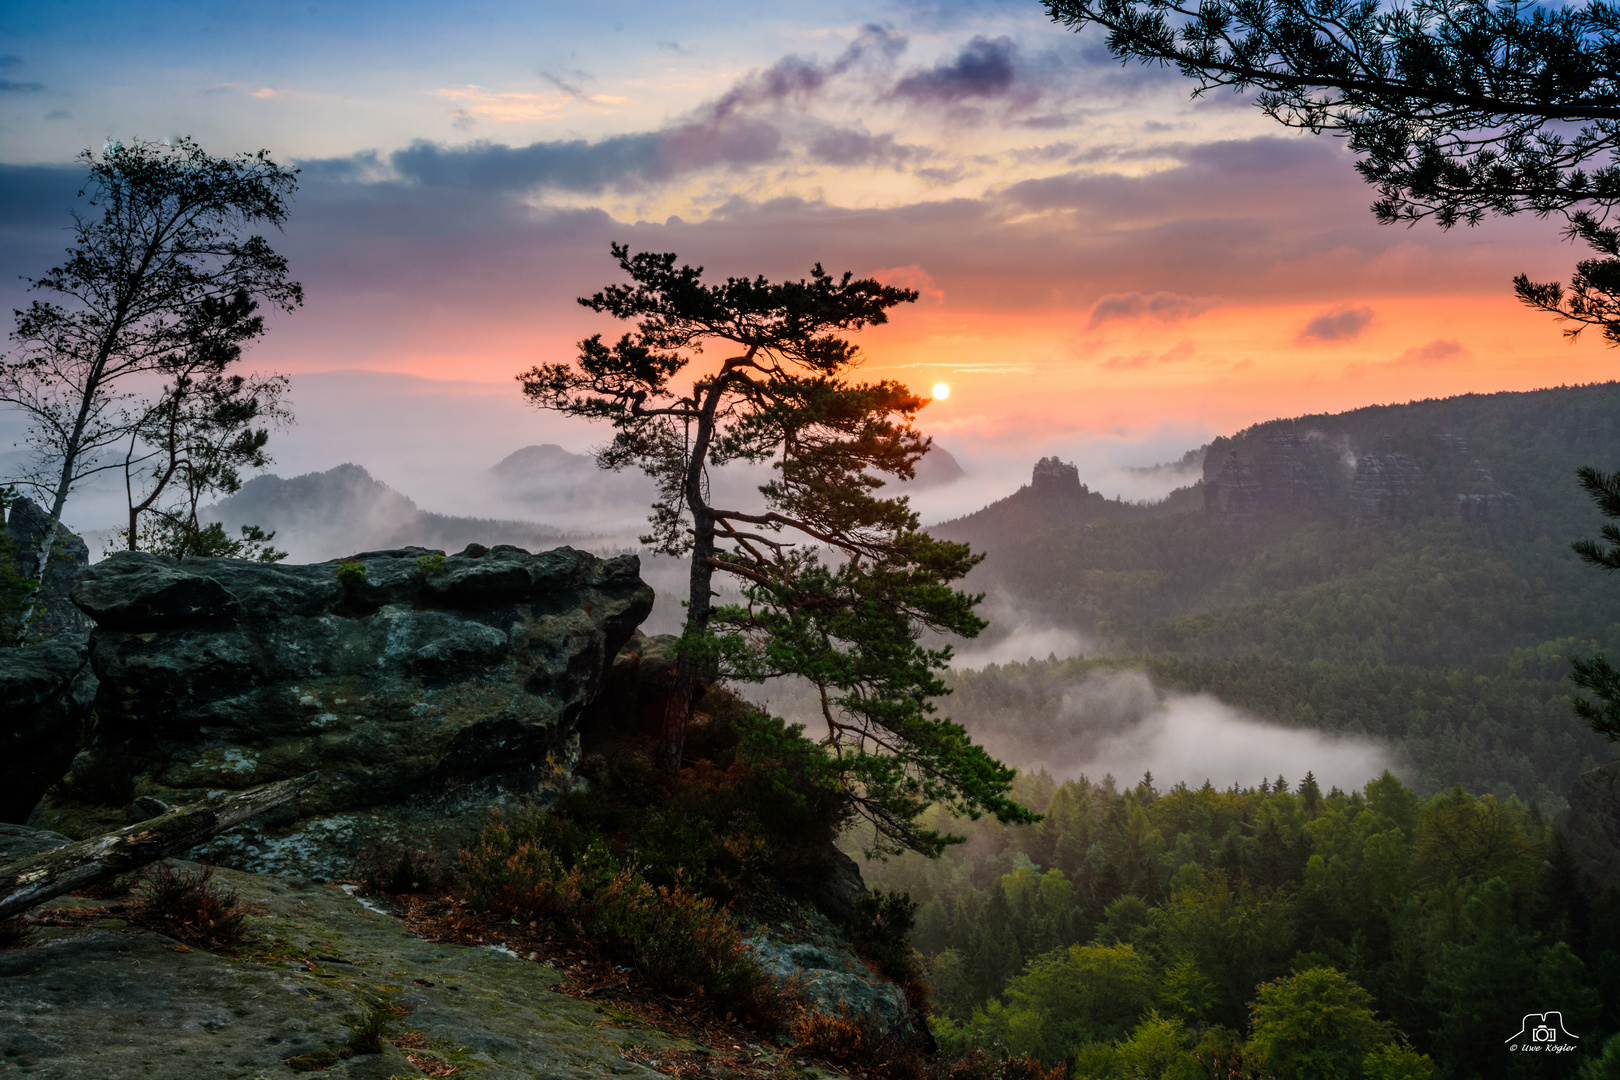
{"points": [[423, 688]]}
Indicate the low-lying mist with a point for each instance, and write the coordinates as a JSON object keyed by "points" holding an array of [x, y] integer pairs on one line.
{"points": [[1120, 722]]}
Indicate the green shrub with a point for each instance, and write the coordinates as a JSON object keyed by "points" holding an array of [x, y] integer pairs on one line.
{"points": [[759, 806], [882, 932], [1397, 1061], [428, 565], [351, 572]]}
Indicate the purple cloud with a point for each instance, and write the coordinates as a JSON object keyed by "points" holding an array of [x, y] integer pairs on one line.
{"points": [[1435, 352], [984, 69], [1165, 306], [1340, 324]]}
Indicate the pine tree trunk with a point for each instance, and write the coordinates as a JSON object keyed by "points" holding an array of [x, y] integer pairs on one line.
{"points": [[678, 706]]}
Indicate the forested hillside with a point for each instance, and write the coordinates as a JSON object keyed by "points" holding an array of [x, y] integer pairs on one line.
{"points": [[1400, 571], [1134, 928]]}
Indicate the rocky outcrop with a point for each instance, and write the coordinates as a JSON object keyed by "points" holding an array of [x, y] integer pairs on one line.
{"points": [[18, 842], [1492, 507], [70, 555], [1590, 824], [835, 980], [1386, 485], [1288, 478], [47, 690], [422, 688], [1276, 472], [1232, 492], [1053, 477]]}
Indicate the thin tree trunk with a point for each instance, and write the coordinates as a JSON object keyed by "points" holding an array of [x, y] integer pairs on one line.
{"points": [[678, 706], [73, 866]]}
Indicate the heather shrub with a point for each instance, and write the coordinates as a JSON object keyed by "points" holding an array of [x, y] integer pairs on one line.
{"points": [[679, 941], [998, 1063], [186, 906], [838, 1037]]}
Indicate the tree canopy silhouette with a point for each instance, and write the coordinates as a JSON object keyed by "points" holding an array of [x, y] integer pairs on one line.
{"points": [[1457, 108], [162, 287], [837, 581]]}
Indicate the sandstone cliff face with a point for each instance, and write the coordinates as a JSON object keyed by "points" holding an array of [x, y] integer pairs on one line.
{"points": [[1386, 485], [46, 691], [1281, 470], [423, 689]]}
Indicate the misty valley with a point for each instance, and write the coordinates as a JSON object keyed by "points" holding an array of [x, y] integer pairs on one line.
{"points": [[920, 542]]}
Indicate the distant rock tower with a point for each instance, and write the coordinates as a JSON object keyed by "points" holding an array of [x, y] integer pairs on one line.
{"points": [[1054, 477]]}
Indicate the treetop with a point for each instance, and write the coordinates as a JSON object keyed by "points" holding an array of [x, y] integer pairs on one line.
{"points": [[794, 320]]}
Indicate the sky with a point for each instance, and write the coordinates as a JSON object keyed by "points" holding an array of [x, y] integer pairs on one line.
{"points": [[1109, 270]]}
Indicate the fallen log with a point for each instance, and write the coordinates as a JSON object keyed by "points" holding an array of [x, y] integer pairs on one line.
{"points": [[73, 866]]}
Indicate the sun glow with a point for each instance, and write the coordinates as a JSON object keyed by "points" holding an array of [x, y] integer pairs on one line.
{"points": [[941, 391]]}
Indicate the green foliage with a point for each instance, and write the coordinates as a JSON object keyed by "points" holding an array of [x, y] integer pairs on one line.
{"points": [[1597, 674], [1605, 1065], [1086, 993], [1456, 109], [1431, 920], [850, 625], [126, 349], [882, 933], [182, 539], [350, 572], [759, 806], [1316, 1024], [428, 565], [1396, 1061]]}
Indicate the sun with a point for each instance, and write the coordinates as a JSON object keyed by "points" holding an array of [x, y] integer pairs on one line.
{"points": [[941, 391]]}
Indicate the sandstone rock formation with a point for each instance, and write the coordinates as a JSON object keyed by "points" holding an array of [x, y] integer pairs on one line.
{"points": [[70, 555], [1386, 485], [1591, 824], [422, 688], [1231, 491], [46, 690], [1492, 507], [1053, 477]]}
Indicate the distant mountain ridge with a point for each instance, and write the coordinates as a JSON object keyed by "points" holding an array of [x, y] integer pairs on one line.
{"points": [[345, 510]]}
